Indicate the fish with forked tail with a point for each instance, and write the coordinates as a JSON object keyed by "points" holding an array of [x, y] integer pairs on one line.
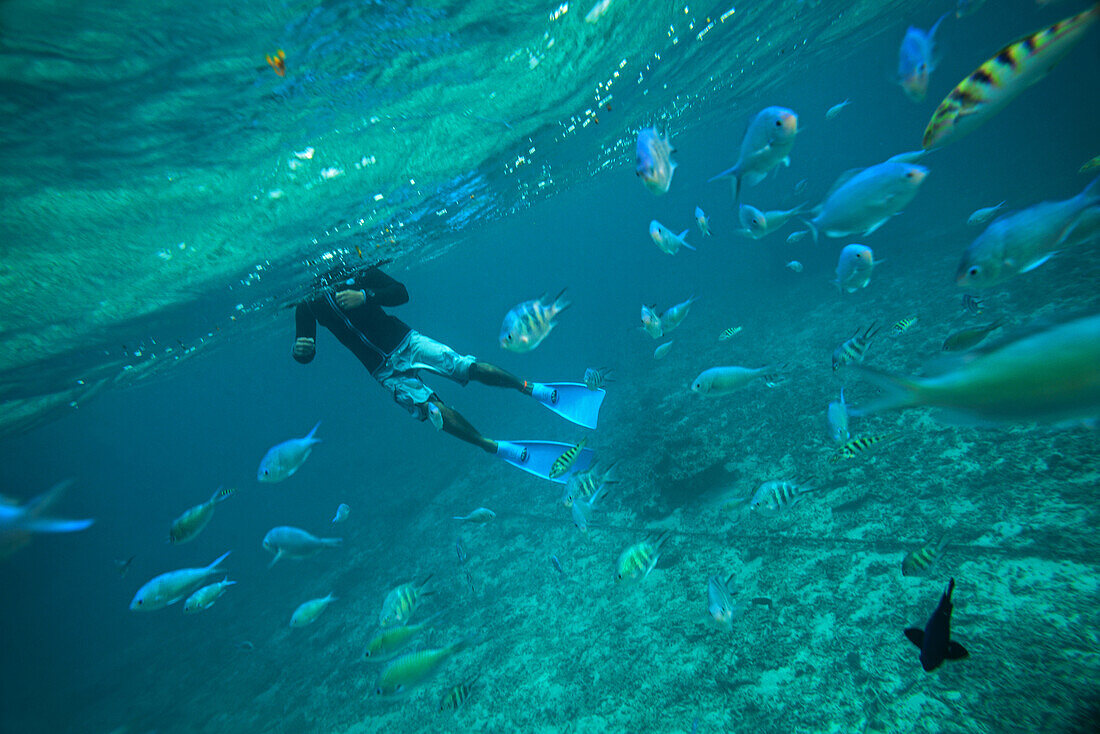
{"points": [[934, 640]]}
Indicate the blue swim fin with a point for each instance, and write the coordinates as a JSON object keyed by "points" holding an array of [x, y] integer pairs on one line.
{"points": [[571, 400], [537, 457]]}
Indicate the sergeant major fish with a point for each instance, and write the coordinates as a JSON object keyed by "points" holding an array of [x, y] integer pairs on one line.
{"points": [[854, 349], [594, 378], [282, 460], [582, 509], [401, 602], [168, 588], [860, 445], [1020, 242], [289, 542], [917, 562], [636, 562], [654, 160], [777, 495], [389, 641], [917, 59], [903, 325], [861, 201], [767, 143], [999, 80], [528, 323], [721, 608], [564, 463], [188, 525], [457, 695], [667, 241]]}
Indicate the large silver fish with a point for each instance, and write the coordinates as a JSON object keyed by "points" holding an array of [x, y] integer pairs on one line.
{"points": [[767, 143], [169, 588], [1019, 242], [861, 201], [528, 323], [288, 542], [854, 267], [282, 460], [1051, 375]]}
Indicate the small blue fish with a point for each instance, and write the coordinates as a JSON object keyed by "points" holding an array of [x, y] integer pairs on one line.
{"points": [[853, 268], [837, 415], [557, 565], [916, 60], [281, 461], [703, 221], [342, 513], [666, 240], [528, 323], [758, 224], [836, 109], [655, 165], [767, 143]]}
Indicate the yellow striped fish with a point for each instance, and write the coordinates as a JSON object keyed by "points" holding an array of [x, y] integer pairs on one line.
{"points": [[917, 562], [454, 698], [860, 445], [729, 333], [639, 559], [400, 603], [904, 325], [565, 462], [1000, 79]]}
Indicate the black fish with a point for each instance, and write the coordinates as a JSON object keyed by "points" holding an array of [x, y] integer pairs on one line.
{"points": [[935, 641]]}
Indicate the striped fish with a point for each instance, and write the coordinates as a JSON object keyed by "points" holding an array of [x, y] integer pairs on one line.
{"points": [[639, 559], [904, 325], [917, 562], [1000, 79], [854, 349], [778, 495], [583, 484], [457, 695], [400, 603], [972, 305], [860, 445], [565, 462], [729, 333]]}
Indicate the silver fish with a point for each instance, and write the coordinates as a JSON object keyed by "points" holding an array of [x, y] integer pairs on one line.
{"points": [[724, 380], [861, 201], [983, 215], [767, 144], [1020, 242], [675, 315], [282, 460], [662, 349], [703, 221], [720, 605], [666, 240], [854, 267], [836, 109], [654, 160], [169, 588], [288, 542], [837, 416], [481, 516]]}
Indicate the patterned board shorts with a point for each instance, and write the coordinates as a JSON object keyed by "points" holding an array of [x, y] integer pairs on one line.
{"points": [[400, 373]]}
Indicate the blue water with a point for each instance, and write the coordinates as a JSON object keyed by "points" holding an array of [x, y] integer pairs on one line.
{"points": [[579, 652]]}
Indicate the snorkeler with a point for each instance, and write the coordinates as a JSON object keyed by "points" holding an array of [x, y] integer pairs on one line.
{"points": [[349, 304]]}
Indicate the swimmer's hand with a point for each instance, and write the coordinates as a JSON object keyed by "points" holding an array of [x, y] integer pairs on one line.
{"points": [[348, 300], [304, 347]]}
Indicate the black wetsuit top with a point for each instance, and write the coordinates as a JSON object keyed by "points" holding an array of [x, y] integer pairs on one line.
{"points": [[368, 331]]}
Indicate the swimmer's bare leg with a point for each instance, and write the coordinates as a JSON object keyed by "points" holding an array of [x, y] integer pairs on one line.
{"points": [[490, 374], [456, 425]]}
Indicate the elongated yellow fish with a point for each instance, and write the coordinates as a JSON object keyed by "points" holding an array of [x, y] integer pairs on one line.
{"points": [[565, 462], [1000, 79]]}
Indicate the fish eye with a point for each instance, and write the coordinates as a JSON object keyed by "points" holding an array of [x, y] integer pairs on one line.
{"points": [[779, 123], [378, 690], [974, 270]]}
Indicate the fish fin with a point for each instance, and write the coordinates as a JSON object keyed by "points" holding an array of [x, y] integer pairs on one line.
{"points": [[690, 247], [874, 227], [901, 392], [955, 651], [309, 436], [44, 501], [52, 525], [559, 303], [1036, 263], [728, 173], [916, 636], [221, 558], [934, 28], [332, 542], [813, 229], [752, 178], [278, 555]]}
